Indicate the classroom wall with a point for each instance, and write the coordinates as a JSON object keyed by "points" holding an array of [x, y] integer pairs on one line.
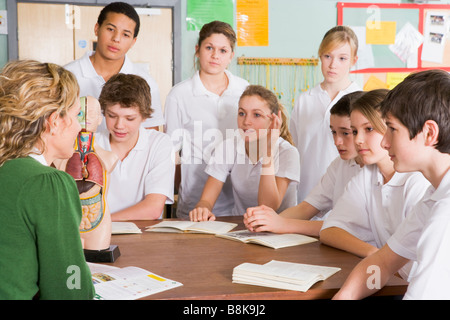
{"points": [[295, 30]]}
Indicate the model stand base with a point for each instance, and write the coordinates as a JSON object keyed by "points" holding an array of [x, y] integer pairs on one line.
{"points": [[106, 255]]}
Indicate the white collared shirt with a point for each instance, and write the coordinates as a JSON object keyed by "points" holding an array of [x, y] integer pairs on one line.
{"points": [[230, 159], [372, 210], [332, 185], [310, 130], [425, 238], [197, 121], [147, 169], [39, 158], [91, 84]]}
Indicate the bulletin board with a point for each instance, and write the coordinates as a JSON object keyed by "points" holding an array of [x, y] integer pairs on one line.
{"points": [[398, 38]]}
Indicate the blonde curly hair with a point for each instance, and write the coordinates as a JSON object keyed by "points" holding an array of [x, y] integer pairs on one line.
{"points": [[30, 91]]}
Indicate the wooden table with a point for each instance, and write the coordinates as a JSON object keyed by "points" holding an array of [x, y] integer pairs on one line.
{"points": [[204, 264]]}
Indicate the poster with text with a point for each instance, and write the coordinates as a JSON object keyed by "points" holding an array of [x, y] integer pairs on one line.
{"points": [[252, 19]]}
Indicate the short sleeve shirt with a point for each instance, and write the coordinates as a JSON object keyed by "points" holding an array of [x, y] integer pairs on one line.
{"points": [[372, 210], [331, 186], [310, 130], [231, 160], [91, 84], [424, 237], [197, 120], [147, 169]]}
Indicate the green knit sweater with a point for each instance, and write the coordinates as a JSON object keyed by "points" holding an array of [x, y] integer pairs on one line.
{"points": [[40, 248]]}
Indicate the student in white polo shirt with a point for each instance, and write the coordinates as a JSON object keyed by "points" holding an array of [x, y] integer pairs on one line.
{"points": [[307, 217], [310, 118], [378, 199], [198, 113], [116, 29], [142, 180], [417, 113], [260, 159]]}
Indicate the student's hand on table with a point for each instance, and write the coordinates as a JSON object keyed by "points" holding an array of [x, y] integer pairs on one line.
{"points": [[201, 214], [262, 218]]}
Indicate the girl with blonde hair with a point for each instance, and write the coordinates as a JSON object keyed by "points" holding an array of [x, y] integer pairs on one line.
{"points": [[41, 210], [310, 118]]}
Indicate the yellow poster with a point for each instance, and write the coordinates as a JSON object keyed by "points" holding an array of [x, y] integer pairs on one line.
{"points": [[252, 18], [394, 79], [374, 83], [380, 32]]}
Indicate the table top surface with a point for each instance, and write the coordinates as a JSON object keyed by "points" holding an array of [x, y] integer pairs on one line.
{"points": [[204, 264]]}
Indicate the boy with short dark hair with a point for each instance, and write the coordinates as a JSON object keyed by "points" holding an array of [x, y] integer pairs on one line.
{"points": [[123, 8], [116, 29], [417, 113]]}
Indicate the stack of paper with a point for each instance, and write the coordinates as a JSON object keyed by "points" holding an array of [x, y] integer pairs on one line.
{"points": [[282, 275]]}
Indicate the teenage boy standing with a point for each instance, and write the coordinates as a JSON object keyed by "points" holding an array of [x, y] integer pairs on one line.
{"points": [[116, 29]]}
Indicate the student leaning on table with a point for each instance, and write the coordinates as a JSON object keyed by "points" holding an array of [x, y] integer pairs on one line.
{"points": [[206, 103], [300, 218], [41, 252], [261, 161], [142, 180], [377, 199], [310, 118], [417, 113]]}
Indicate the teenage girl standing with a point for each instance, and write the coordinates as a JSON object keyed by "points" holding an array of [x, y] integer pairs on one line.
{"points": [[198, 112], [310, 118]]}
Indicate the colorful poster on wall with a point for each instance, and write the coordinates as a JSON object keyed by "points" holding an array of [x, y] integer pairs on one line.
{"points": [[200, 12], [407, 42], [394, 78], [380, 32], [252, 18]]}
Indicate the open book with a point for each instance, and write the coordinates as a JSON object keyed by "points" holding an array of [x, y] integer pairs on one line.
{"points": [[213, 227], [118, 227], [268, 239], [282, 275], [130, 283]]}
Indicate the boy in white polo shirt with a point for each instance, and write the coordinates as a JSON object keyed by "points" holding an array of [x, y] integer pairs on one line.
{"points": [[417, 113], [142, 180], [377, 199], [116, 29]]}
